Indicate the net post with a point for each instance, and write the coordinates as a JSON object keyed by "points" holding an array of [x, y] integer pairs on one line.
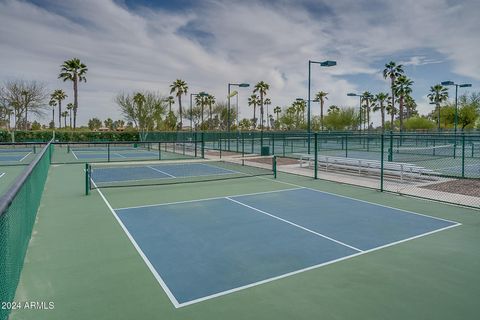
{"points": [[315, 149], [382, 152], [274, 166], [108, 152], [284, 135], [87, 179], [463, 154]]}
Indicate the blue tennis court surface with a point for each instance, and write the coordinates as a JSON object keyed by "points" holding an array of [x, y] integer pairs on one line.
{"points": [[18, 157], [165, 171], [202, 249], [81, 155]]}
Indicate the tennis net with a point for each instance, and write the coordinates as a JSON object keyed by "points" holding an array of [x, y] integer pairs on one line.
{"points": [[108, 175]]}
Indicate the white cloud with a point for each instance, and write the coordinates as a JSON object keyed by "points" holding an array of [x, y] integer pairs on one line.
{"points": [[246, 41]]}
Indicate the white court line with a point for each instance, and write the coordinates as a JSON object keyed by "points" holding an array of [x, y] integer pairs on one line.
{"points": [[2, 174], [140, 252], [24, 157], [206, 199], [73, 152], [359, 200], [118, 154], [294, 224], [168, 174]]}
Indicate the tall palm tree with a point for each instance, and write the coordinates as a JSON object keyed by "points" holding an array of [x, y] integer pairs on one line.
{"points": [[321, 96], [267, 102], [262, 87], [70, 108], [74, 70], [438, 94], [379, 105], [170, 100], [200, 101], [392, 111], [402, 88], [65, 115], [277, 111], [392, 71], [410, 106], [59, 95], [210, 102], [253, 100], [179, 87], [53, 104], [367, 98]]}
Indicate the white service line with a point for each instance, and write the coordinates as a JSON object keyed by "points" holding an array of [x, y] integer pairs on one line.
{"points": [[168, 174], [118, 154], [295, 225], [2, 174], [25, 157], [73, 152]]}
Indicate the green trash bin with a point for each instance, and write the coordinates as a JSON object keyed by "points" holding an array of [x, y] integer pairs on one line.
{"points": [[265, 151]]}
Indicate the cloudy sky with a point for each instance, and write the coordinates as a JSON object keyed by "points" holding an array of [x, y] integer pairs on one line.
{"points": [[145, 45]]}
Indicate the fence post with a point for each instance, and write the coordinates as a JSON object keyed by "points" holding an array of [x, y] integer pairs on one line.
{"points": [[194, 144], [108, 152], [315, 148], [463, 154], [87, 179], [346, 146], [159, 151], [274, 163], [390, 150], [243, 144], [382, 149], [202, 145]]}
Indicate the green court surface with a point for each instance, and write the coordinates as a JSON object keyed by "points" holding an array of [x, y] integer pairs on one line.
{"points": [[82, 260], [8, 174]]}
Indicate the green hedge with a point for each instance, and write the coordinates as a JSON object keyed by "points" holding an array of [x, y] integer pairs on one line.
{"points": [[66, 136]]}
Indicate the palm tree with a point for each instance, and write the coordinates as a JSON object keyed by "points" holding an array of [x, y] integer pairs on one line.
{"points": [[333, 108], [367, 98], [438, 94], [262, 88], [59, 95], [53, 104], [210, 102], [254, 101], [402, 88], [321, 96], [179, 87], [74, 70], [392, 111], [200, 101], [267, 102], [64, 115], [379, 105], [170, 100], [277, 111], [69, 108], [392, 71], [410, 106]]}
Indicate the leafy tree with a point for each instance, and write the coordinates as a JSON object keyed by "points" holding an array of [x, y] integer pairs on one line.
{"points": [[145, 109], [108, 123], [59, 95], [467, 115], [74, 70], [94, 124], [321, 96], [23, 97], [245, 124], [402, 88], [419, 123], [261, 88], [392, 71], [179, 87], [36, 125], [340, 119]]}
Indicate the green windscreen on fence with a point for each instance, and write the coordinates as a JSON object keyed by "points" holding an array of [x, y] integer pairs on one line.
{"points": [[18, 209]]}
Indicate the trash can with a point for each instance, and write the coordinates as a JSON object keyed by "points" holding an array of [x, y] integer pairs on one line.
{"points": [[265, 151]]}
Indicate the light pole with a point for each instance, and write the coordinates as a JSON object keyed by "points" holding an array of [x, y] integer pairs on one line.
{"points": [[327, 63], [201, 94], [240, 85], [351, 94], [464, 85]]}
